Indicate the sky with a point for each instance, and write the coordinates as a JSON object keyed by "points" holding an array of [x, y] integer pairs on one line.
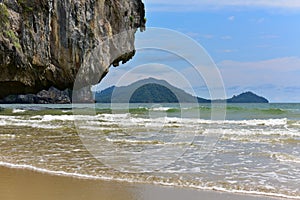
{"points": [[254, 44]]}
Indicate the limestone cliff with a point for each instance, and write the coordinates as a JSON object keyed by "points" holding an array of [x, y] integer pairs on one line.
{"points": [[44, 43]]}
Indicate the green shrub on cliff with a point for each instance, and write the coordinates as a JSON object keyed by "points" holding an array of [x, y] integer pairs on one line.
{"points": [[131, 18], [13, 38], [4, 17]]}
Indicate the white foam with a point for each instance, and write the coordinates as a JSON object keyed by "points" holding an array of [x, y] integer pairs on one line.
{"points": [[267, 122], [3, 123], [97, 128], [114, 116], [30, 123], [126, 116], [45, 126], [257, 132], [66, 111], [134, 141], [18, 111], [286, 158], [63, 173], [6, 117], [253, 122], [34, 122], [161, 109], [59, 173], [7, 136], [227, 127], [252, 192], [37, 117], [57, 118]]}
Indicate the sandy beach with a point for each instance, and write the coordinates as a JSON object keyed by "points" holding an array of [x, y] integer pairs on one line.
{"points": [[19, 184], [149, 100]]}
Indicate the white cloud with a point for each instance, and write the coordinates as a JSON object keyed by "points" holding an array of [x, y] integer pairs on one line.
{"points": [[226, 37], [261, 20], [281, 72], [275, 78], [269, 36], [179, 5], [227, 51], [208, 36], [231, 18], [192, 34], [285, 64], [127, 76], [263, 46]]}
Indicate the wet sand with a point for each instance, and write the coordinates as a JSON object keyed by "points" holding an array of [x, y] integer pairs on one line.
{"points": [[19, 184]]}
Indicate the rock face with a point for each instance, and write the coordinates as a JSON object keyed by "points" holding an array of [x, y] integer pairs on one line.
{"points": [[45, 43], [51, 96]]}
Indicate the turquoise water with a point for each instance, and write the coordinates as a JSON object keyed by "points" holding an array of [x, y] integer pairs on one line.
{"points": [[255, 149]]}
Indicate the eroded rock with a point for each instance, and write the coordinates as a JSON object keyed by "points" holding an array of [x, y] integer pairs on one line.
{"points": [[44, 43]]}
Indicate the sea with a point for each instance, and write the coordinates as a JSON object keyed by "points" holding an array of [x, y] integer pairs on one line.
{"points": [[239, 148]]}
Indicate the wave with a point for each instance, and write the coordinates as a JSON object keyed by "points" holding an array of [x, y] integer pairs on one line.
{"points": [[7, 136], [131, 141], [161, 108], [30, 111], [128, 118], [156, 181], [275, 111], [151, 142], [173, 110], [252, 122], [295, 123], [51, 172], [261, 122], [18, 111], [234, 112], [229, 108], [286, 158]]}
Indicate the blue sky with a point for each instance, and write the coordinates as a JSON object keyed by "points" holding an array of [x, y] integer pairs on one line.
{"points": [[254, 43]]}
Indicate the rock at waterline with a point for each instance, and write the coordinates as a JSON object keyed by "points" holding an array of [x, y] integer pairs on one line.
{"points": [[51, 96]]}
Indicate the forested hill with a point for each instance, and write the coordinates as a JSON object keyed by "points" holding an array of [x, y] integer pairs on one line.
{"points": [[158, 91]]}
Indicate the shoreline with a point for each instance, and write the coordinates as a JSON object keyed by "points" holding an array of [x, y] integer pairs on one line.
{"points": [[25, 184]]}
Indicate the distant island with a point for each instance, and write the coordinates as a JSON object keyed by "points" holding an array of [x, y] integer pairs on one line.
{"points": [[247, 97], [159, 91]]}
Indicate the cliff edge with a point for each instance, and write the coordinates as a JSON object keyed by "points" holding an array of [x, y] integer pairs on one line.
{"points": [[43, 43]]}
